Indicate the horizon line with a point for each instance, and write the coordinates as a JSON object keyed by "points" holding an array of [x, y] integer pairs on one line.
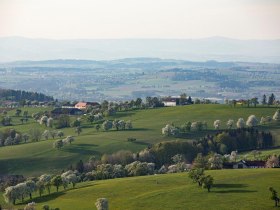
{"points": [[139, 38]]}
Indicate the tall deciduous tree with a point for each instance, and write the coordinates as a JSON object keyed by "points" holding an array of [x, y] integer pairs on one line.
{"points": [[44, 120], [272, 161], [102, 204], [46, 180], [207, 182], [217, 124], [200, 161], [58, 144], [271, 99], [230, 123], [57, 182], [276, 115], [254, 101], [216, 161], [264, 102], [196, 175], [107, 125], [274, 196], [50, 122], [35, 134], [78, 130], [240, 123], [252, 121]]}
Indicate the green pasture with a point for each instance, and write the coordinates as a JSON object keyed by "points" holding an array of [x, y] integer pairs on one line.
{"points": [[38, 157], [238, 189]]}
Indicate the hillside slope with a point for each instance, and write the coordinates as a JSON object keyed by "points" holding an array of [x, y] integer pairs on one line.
{"points": [[233, 189], [39, 157]]}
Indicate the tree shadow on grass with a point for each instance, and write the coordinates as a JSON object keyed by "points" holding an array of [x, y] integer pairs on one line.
{"points": [[193, 134], [87, 145], [234, 191], [124, 114], [230, 185], [88, 126], [44, 198], [227, 188], [141, 143], [85, 149], [130, 130]]}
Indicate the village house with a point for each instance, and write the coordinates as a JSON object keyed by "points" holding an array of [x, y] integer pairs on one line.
{"points": [[244, 164], [170, 101], [84, 105], [9, 104]]}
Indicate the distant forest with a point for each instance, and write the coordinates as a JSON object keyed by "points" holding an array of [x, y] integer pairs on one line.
{"points": [[19, 95]]}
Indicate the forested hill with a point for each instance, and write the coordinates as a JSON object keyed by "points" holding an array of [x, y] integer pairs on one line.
{"points": [[18, 95]]}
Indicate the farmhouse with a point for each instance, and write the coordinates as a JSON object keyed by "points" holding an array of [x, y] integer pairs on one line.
{"points": [[9, 104], [177, 100], [241, 102], [84, 105], [170, 101], [245, 164]]}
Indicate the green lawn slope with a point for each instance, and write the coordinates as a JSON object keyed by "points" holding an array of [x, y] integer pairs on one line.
{"points": [[39, 157], [238, 189]]}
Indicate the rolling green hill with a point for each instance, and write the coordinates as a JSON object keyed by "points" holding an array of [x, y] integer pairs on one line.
{"points": [[39, 157], [238, 189]]}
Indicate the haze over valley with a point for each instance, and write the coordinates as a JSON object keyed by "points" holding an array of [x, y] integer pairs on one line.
{"points": [[139, 105], [127, 79]]}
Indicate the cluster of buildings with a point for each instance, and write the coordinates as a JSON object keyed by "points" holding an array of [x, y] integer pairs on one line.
{"points": [[77, 109], [175, 101], [244, 164]]}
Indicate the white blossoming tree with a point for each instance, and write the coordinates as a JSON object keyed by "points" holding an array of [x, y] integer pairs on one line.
{"points": [[240, 123], [252, 121], [217, 124]]}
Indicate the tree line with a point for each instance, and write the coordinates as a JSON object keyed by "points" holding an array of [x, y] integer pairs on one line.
{"points": [[196, 126], [235, 139], [265, 101], [20, 95]]}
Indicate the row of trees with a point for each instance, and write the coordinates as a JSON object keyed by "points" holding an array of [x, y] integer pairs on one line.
{"points": [[19, 95], [117, 124], [271, 100], [6, 120], [58, 144], [235, 139], [94, 117], [252, 121], [62, 121], [110, 108], [160, 154], [216, 161], [125, 164], [109, 171], [172, 130], [12, 137], [40, 185]]}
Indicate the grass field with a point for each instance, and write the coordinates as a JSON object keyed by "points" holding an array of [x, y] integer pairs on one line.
{"points": [[238, 189], [39, 157], [263, 155]]}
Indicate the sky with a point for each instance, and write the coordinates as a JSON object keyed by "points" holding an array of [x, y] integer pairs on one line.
{"points": [[115, 19]]}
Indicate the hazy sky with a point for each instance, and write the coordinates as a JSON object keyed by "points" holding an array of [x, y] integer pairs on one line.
{"points": [[67, 19]]}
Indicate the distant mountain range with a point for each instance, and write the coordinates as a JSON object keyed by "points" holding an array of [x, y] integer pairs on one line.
{"points": [[213, 48]]}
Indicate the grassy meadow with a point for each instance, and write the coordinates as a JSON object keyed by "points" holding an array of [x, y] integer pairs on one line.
{"points": [[239, 189], [38, 157], [262, 156]]}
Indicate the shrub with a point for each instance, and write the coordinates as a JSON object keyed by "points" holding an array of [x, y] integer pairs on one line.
{"points": [[131, 139], [102, 204]]}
